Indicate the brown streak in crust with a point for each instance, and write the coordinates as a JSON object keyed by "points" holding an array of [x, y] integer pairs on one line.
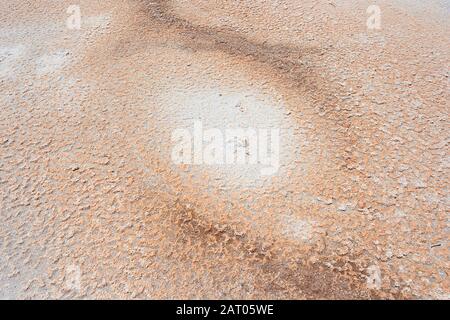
{"points": [[277, 275]]}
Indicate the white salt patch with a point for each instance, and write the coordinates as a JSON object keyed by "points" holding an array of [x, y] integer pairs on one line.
{"points": [[50, 63], [296, 228], [374, 277], [10, 60], [220, 106]]}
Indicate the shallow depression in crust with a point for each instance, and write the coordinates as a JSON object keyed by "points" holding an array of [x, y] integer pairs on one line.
{"points": [[202, 119]]}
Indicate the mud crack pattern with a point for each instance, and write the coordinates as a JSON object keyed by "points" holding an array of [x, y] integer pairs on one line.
{"points": [[358, 208]]}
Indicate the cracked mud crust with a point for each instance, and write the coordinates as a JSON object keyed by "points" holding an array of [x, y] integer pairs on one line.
{"points": [[357, 210]]}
